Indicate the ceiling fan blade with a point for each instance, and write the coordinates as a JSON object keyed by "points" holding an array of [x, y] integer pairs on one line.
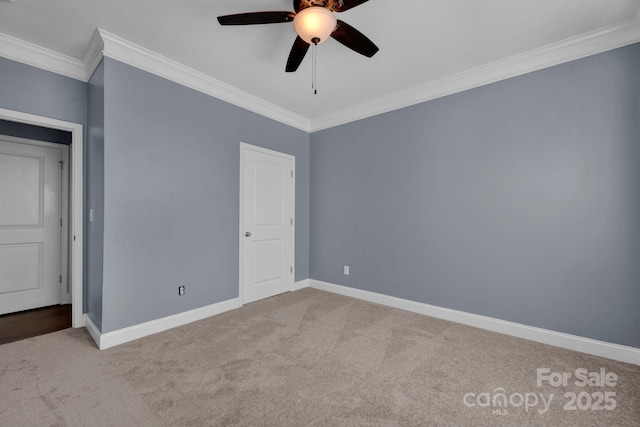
{"points": [[253, 18], [349, 4], [296, 5], [354, 39], [298, 51]]}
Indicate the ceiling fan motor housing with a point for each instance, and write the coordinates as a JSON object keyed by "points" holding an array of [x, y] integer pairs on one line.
{"points": [[327, 4]]}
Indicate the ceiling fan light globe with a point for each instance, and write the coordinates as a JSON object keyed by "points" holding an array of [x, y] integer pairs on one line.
{"points": [[314, 22]]}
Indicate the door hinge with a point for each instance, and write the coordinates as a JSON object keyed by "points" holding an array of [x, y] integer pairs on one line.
{"points": [[291, 221], [61, 164], [291, 174], [61, 278], [291, 270], [60, 222]]}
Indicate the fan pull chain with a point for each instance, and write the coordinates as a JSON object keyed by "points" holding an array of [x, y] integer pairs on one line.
{"points": [[314, 71]]}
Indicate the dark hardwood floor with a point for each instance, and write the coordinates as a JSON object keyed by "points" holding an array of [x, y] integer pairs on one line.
{"points": [[31, 323]]}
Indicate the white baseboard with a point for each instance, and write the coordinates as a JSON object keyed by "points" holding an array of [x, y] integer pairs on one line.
{"points": [[301, 285], [131, 333], [558, 339], [91, 328]]}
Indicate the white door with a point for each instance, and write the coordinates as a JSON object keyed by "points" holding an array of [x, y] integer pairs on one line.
{"points": [[267, 223], [30, 226]]}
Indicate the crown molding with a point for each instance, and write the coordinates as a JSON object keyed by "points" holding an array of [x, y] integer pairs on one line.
{"points": [[40, 57], [93, 55], [117, 48], [104, 43], [547, 56]]}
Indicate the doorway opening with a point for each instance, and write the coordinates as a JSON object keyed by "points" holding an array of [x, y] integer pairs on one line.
{"points": [[74, 229]]}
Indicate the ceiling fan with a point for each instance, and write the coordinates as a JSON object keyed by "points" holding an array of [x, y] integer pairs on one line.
{"points": [[314, 22]]}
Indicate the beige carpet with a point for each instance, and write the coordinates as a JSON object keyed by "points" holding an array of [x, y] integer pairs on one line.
{"points": [[307, 358]]}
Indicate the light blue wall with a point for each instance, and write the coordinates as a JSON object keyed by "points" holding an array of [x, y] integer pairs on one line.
{"points": [[171, 166], [518, 200], [94, 196], [171, 195], [35, 91]]}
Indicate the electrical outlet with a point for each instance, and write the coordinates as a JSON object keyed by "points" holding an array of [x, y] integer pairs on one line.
{"points": [[181, 290], [346, 270]]}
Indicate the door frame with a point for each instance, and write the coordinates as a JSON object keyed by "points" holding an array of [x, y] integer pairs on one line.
{"points": [[241, 239], [76, 201]]}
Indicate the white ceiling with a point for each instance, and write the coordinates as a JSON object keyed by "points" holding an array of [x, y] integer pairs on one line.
{"points": [[420, 41]]}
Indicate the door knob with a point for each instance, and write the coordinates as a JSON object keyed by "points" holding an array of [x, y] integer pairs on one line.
{"points": [[247, 234]]}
